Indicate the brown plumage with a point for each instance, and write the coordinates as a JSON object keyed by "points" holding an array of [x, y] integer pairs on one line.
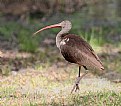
{"points": [[75, 50]]}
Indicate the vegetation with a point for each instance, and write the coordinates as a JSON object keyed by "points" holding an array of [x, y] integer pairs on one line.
{"points": [[23, 35], [39, 87], [33, 73]]}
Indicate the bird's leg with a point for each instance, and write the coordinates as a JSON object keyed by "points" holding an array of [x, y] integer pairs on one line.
{"points": [[76, 85]]}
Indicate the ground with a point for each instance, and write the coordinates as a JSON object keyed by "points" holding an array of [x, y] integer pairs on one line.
{"points": [[43, 77], [49, 84]]}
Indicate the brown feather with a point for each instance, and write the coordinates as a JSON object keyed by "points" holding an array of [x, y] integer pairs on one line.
{"points": [[77, 50]]}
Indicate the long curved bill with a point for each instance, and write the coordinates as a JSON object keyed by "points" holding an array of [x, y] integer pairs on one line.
{"points": [[48, 27]]}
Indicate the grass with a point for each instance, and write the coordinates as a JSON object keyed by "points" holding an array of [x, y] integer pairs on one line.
{"points": [[51, 86], [27, 43], [95, 35], [48, 86], [22, 34]]}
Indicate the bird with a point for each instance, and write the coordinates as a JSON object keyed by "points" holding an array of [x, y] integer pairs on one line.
{"points": [[75, 50]]}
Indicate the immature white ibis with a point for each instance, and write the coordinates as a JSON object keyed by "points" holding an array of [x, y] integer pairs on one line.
{"points": [[75, 50]]}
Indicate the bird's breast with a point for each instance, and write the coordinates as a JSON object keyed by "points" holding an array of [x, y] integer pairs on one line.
{"points": [[64, 41]]}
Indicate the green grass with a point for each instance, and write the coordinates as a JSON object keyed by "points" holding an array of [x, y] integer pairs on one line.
{"points": [[95, 35], [50, 86], [47, 85], [27, 42], [23, 35], [97, 99]]}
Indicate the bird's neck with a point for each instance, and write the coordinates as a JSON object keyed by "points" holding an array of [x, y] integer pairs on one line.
{"points": [[59, 37], [61, 34]]}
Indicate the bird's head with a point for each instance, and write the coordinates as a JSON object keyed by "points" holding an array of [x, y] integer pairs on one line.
{"points": [[64, 25]]}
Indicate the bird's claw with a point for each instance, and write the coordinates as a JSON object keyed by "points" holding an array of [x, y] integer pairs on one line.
{"points": [[75, 87]]}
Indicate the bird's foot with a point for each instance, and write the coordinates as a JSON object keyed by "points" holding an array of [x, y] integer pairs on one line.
{"points": [[76, 85]]}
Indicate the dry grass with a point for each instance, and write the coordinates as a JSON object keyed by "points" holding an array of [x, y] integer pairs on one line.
{"points": [[52, 86]]}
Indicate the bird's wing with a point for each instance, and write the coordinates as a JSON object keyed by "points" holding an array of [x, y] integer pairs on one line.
{"points": [[87, 46], [77, 50]]}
